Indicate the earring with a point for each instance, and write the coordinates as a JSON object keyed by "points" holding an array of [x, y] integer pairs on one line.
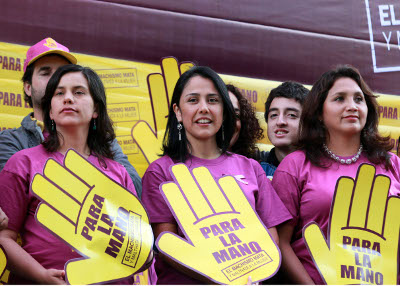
{"points": [[223, 137], [52, 125], [179, 130], [94, 124]]}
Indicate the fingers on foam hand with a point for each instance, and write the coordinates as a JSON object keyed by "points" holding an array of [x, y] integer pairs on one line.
{"points": [[183, 67], [171, 74], [3, 260], [234, 194], [55, 222], [362, 191], [55, 197], [77, 272], [178, 204], [191, 191], [159, 99], [392, 221], [78, 165], [211, 190], [316, 243], [65, 180], [377, 205], [341, 203], [168, 243]]}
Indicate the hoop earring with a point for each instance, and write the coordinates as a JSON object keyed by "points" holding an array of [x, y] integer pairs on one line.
{"points": [[94, 124], [179, 130], [52, 125], [223, 135]]}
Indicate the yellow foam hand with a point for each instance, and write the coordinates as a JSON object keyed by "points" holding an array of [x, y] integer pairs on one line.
{"points": [[363, 234], [225, 239], [161, 87], [96, 216], [142, 278], [3, 260]]}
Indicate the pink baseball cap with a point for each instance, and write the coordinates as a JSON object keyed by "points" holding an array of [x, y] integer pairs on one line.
{"points": [[45, 47]]}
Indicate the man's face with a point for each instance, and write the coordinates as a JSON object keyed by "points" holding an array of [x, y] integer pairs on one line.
{"points": [[42, 72], [283, 122]]}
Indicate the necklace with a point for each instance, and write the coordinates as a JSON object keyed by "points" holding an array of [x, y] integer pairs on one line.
{"points": [[343, 161]]}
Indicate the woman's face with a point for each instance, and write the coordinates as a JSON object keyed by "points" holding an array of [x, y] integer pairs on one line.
{"points": [[200, 110], [345, 110], [238, 126], [72, 103]]}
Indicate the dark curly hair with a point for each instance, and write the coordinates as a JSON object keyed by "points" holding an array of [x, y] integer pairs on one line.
{"points": [[98, 140], [250, 132], [313, 133]]}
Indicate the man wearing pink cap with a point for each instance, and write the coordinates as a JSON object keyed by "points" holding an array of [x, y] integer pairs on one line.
{"points": [[42, 60]]}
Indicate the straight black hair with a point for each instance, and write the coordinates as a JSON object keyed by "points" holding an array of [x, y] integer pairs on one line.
{"points": [[99, 139], [180, 149]]}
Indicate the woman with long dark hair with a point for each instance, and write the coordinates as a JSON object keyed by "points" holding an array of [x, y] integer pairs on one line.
{"points": [[338, 133], [75, 116], [200, 126]]}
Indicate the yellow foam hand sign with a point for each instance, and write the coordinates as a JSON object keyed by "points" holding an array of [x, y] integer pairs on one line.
{"points": [[142, 278], [161, 87], [225, 239], [3, 260], [96, 216], [363, 234]]}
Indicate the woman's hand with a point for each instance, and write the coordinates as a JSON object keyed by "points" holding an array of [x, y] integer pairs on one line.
{"points": [[52, 277], [23, 264], [3, 220]]}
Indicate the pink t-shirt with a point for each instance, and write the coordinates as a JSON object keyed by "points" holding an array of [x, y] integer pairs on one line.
{"points": [[19, 203], [250, 177], [307, 192]]}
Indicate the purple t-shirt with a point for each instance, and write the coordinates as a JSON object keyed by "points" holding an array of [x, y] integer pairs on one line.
{"points": [[307, 192], [251, 178], [19, 203]]}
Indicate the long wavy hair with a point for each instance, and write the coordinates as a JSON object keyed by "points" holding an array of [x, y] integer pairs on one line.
{"points": [[250, 131], [313, 132], [180, 149], [98, 140]]}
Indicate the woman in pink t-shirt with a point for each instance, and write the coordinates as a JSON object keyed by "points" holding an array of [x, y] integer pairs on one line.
{"points": [[75, 116], [339, 132], [200, 126]]}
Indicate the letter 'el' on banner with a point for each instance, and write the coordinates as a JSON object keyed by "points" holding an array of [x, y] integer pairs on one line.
{"points": [[363, 235], [96, 216], [225, 239]]}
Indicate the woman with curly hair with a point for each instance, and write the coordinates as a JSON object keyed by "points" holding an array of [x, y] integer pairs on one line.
{"points": [[247, 130]]}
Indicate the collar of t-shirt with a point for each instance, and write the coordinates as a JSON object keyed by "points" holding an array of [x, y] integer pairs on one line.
{"points": [[271, 159]]}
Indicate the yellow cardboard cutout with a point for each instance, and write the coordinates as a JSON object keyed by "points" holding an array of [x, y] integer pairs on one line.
{"points": [[161, 87], [3, 260], [96, 216], [142, 278], [225, 239], [363, 234]]}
